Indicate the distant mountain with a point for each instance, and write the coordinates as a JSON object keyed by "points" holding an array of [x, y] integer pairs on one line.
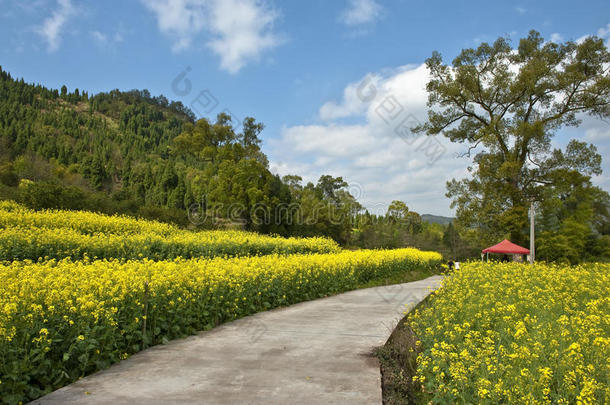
{"points": [[436, 219]]}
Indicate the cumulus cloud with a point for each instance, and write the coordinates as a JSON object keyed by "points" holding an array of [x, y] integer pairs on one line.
{"points": [[242, 31], [379, 156], [359, 12], [238, 31], [179, 18], [51, 28], [352, 103]]}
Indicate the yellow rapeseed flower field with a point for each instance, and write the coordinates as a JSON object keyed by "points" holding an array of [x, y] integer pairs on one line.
{"points": [[60, 320], [516, 334], [56, 234], [14, 214]]}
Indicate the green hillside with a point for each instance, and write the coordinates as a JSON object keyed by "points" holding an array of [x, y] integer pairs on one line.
{"points": [[132, 153]]}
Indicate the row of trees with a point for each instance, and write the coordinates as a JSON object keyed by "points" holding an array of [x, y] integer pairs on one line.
{"points": [[401, 226]]}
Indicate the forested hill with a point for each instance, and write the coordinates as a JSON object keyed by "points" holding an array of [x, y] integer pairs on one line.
{"points": [[116, 142], [140, 150], [130, 152]]}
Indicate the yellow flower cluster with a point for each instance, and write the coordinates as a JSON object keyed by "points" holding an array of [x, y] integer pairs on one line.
{"points": [[28, 234], [518, 334], [61, 319]]}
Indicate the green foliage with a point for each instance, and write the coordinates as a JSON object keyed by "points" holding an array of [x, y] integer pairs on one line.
{"points": [[107, 143], [574, 228], [8, 177], [507, 104], [42, 195]]}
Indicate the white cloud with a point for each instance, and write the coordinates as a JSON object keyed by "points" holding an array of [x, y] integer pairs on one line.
{"points": [[352, 104], [182, 19], [242, 31], [604, 32], [104, 40], [359, 12], [372, 155], [406, 83], [239, 31], [556, 37], [598, 133], [520, 10], [51, 28]]}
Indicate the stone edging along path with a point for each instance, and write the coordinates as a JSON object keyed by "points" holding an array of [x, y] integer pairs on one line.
{"points": [[314, 352]]}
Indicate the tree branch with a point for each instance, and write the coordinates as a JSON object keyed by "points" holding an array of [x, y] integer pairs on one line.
{"points": [[470, 148]]}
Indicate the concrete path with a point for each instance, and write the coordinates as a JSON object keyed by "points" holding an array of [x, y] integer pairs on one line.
{"points": [[316, 352]]}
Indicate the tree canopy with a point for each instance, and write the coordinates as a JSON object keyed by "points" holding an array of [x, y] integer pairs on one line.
{"points": [[506, 104]]}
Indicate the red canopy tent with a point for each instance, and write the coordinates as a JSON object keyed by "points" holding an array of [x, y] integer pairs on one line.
{"points": [[506, 247]]}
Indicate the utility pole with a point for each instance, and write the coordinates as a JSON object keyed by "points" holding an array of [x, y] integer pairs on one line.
{"points": [[532, 244]]}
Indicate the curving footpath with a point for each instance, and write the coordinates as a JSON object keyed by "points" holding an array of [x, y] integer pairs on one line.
{"points": [[315, 352]]}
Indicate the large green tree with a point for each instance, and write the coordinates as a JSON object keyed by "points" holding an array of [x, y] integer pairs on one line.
{"points": [[506, 104]]}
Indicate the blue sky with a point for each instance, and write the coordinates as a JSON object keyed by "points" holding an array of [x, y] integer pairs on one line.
{"points": [[296, 66]]}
